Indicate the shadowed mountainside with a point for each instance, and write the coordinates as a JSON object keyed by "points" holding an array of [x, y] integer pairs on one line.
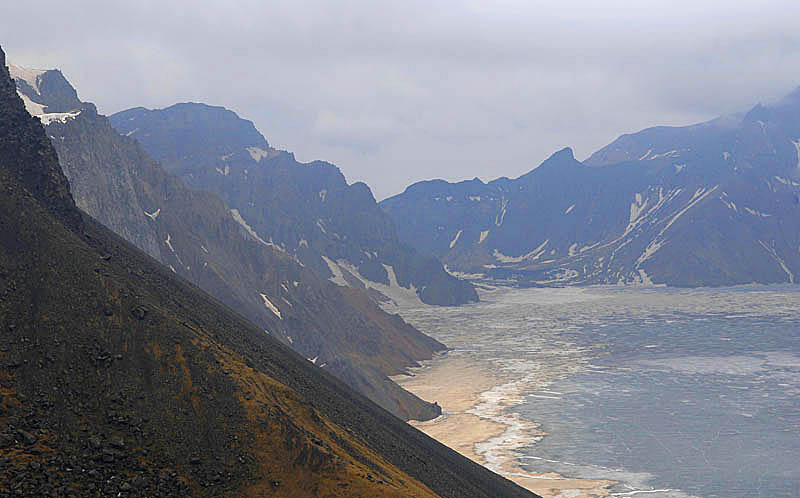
{"points": [[198, 237], [703, 205], [307, 209], [118, 378]]}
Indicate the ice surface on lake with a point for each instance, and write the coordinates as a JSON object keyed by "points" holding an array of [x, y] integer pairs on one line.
{"points": [[670, 392]]}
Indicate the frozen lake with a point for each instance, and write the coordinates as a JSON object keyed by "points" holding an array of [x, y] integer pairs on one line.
{"points": [[670, 392]]}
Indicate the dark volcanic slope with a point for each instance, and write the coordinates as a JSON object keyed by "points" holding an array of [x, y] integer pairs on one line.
{"points": [[308, 209], [117, 378], [710, 204], [196, 235]]}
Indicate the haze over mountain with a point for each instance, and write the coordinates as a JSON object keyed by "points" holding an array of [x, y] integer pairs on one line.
{"points": [[118, 378], [196, 235], [710, 204], [402, 92], [308, 210]]}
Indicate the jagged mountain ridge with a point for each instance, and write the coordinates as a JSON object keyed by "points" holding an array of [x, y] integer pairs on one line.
{"points": [[118, 378], [709, 204], [308, 209], [194, 234]]}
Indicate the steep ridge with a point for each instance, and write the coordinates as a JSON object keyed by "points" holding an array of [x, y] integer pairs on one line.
{"points": [[703, 205], [196, 235], [118, 378], [309, 210]]}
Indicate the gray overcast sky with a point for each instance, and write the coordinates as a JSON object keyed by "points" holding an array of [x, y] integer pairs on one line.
{"points": [[396, 92]]}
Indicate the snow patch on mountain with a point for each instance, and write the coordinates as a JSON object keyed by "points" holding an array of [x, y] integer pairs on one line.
{"points": [[397, 294], [729, 203], [561, 275], [498, 220], [154, 214], [258, 153], [455, 239], [31, 76], [637, 215], [671, 153], [271, 306], [60, 117], [531, 256], [778, 260], [756, 212], [656, 244], [699, 194], [169, 242], [238, 218], [338, 275], [392, 276], [637, 207], [787, 181], [644, 278], [651, 249], [33, 108]]}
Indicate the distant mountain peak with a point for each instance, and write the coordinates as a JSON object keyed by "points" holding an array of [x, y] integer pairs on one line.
{"points": [[556, 161], [706, 204], [560, 157], [308, 208], [47, 93], [204, 132], [29, 75], [566, 152], [27, 152]]}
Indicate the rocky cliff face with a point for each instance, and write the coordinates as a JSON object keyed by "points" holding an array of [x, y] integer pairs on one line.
{"points": [[709, 204], [199, 238], [26, 153], [308, 210], [117, 378]]}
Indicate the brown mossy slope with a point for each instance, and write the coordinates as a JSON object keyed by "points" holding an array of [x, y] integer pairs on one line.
{"points": [[106, 375], [117, 378]]}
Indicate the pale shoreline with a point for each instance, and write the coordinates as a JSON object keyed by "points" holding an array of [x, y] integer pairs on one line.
{"points": [[481, 430]]}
